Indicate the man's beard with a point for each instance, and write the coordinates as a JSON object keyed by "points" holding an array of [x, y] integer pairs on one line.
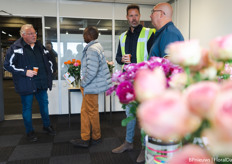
{"points": [[132, 25]]}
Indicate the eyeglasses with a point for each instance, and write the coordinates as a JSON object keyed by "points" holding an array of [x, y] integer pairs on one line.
{"points": [[31, 34], [152, 11]]}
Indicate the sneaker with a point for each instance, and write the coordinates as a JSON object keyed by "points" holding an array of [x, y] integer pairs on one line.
{"points": [[126, 146], [79, 143], [95, 142], [31, 137], [50, 130], [141, 157]]}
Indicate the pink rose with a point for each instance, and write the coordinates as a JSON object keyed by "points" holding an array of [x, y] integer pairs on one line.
{"points": [[164, 117], [200, 97], [226, 85], [184, 53], [125, 92], [227, 70], [178, 81], [148, 84], [191, 154], [221, 48], [76, 64], [219, 143], [221, 115]]}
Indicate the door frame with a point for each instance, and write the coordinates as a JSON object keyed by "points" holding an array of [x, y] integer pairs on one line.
{"points": [[2, 108]]}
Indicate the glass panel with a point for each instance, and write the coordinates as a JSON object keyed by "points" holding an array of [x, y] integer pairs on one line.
{"points": [[71, 30], [51, 42], [122, 26]]}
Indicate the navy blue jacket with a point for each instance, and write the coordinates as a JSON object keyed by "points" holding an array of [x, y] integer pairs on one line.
{"points": [[164, 36], [17, 63]]}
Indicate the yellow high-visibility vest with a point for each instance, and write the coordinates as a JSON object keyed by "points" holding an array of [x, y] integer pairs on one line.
{"points": [[141, 51]]}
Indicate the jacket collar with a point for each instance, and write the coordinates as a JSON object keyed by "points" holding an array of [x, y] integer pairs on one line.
{"points": [[90, 43], [136, 30]]}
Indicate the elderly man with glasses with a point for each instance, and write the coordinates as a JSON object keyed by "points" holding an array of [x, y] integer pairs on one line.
{"points": [[22, 58], [161, 18]]}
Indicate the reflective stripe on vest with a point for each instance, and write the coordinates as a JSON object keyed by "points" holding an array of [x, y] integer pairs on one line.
{"points": [[141, 51]]}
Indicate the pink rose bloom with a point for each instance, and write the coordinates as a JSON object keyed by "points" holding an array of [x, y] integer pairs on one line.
{"points": [[227, 69], [226, 85], [125, 92], [219, 143], [200, 97], [178, 81], [184, 53], [205, 61], [76, 64], [209, 73], [191, 154], [221, 48], [221, 116], [116, 76], [149, 84], [164, 117]]}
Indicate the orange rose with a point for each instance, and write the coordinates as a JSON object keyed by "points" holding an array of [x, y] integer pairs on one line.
{"points": [[69, 62], [73, 61], [78, 61]]}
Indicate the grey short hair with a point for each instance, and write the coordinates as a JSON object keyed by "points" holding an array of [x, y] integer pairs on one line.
{"points": [[26, 26]]}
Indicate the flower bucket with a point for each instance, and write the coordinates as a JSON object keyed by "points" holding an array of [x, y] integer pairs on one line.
{"points": [[158, 152]]}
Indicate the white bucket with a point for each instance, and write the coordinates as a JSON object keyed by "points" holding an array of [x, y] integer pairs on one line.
{"points": [[158, 152]]}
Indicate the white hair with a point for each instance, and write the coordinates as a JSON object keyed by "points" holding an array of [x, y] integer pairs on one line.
{"points": [[24, 27]]}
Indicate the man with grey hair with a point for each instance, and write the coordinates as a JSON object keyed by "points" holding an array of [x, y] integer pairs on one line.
{"points": [[22, 58], [161, 18]]}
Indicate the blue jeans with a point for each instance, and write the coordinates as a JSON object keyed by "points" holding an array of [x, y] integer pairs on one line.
{"points": [[130, 128], [27, 100]]}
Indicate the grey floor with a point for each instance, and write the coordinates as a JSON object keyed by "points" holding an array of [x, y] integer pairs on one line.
{"points": [[15, 149]]}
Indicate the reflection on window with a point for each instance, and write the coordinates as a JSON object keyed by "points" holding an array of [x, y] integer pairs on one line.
{"points": [[71, 30], [51, 42]]}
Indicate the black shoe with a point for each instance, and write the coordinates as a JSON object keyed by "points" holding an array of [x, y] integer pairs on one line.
{"points": [[95, 142], [31, 137], [80, 143], [50, 130]]}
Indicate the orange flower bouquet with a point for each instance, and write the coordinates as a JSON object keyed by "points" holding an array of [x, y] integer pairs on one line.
{"points": [[74, 69]]}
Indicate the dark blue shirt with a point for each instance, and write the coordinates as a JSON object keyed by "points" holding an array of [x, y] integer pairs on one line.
{"points": [[131, 44], [167, 34]]}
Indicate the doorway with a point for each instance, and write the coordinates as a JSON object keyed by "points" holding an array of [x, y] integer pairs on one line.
{"points": [[9, 28]]}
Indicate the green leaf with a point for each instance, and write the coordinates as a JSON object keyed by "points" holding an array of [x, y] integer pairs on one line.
{"points": [[126, 121], [226, 76], [143, 134]]}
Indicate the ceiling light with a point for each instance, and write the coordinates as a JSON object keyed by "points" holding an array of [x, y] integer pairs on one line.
{"points": [[66, 32], [9, 35], [47, 27], [3, 32], [100, 29]]}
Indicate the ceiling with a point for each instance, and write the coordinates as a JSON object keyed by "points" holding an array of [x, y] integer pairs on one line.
{"points": [[11, 24], [140, 2]]}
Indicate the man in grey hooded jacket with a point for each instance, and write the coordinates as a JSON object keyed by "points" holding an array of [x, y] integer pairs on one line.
{"points": [[95, 78]]}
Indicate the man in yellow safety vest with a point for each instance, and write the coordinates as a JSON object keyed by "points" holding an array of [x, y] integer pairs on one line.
{"points": [[134, 47]]}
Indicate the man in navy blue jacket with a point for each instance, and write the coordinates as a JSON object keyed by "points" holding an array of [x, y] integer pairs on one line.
{"points": [[166, 31], [21, 57]]}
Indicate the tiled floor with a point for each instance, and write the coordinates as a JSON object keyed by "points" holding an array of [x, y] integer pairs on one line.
{"points": [[15, 149]]}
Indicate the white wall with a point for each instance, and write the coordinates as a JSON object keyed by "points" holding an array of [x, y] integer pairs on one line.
{"points": [[181, 9], [209, 19]]}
